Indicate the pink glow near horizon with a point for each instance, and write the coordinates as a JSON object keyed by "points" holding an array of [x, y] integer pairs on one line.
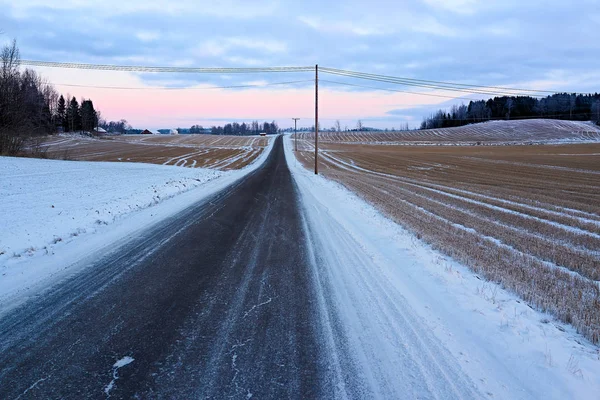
{"points": [[155, 109], [182, 108]]}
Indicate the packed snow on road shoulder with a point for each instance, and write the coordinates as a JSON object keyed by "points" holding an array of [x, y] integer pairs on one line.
{"points": [[416, 323]]}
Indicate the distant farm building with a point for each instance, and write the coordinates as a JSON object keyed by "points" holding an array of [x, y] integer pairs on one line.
{"points": [[149, 132], [263, 134], [100, 130], [174, 132]]}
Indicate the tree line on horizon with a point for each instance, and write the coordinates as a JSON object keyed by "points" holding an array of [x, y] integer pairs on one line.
{"points": [[243, 129], [565, 106]]}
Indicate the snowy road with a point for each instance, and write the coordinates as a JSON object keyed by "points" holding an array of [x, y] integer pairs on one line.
{"points": [[215, 302], [261, 291]]}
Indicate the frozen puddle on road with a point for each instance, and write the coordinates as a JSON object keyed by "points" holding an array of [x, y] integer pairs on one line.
{"points": [[119, 364]]}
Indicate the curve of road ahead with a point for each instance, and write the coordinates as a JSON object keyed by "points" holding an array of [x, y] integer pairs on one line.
{"points": [[233, 298]]}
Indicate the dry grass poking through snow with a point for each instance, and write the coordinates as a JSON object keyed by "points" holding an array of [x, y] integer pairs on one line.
{"points": [[527, 217], [195, 151]]}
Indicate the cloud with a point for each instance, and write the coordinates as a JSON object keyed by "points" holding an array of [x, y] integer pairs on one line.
{"points": [[262, 45], [432, 26], [456, 6], [224, 8], [246, 61], [224, 46], [147, 36], [509, 42], [344, 27], [380, 25]]}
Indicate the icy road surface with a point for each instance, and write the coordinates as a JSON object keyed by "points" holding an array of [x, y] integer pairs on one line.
{"points": [[276, 288]]}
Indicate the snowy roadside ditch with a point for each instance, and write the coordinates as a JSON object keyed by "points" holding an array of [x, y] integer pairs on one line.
{"points": [[54, 213], [507, 349]]}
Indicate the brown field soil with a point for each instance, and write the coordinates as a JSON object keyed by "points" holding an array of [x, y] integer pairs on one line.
{"points": [[527, 217], [195, 151]]}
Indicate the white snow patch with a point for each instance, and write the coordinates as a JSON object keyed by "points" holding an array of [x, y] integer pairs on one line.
{"points": [[115, 373]]}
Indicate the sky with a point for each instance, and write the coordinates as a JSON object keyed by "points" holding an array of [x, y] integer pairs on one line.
{"points": [[533, 44]]}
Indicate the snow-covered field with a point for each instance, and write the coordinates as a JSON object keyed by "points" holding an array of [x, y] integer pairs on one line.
{"points": [[493, 132], [54, 213], [46, 202], [412, 319]]}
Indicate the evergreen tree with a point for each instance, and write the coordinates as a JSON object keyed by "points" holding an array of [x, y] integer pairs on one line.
{"points": [[61, 113], [88, 115], [73, 116]]}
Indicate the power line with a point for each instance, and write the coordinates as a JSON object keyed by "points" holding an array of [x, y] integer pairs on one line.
{"points": [[396, 90], [446, 83], [411, 82], [140, 68], [183, 88], [401, 81]]}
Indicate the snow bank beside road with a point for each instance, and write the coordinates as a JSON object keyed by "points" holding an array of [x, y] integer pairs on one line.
{"points": [[46, 202], [54, 214], [410, 316]]}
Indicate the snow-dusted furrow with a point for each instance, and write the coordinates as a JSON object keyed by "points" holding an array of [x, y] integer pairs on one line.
{"points": [[492, 132], [492, 239], [463, 198], [228, 160], [177, 159], [532, 165]]}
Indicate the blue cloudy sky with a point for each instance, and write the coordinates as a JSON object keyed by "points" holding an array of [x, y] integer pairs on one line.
{"points": [[550, 45]]}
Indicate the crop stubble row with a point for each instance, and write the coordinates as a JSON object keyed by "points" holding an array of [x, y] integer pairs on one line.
{"points": [[527, 217], [200, 151]]}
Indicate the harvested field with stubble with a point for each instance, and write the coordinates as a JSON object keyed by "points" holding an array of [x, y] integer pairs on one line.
{"points": [[527, 217], [491, 133], [194, 151]]}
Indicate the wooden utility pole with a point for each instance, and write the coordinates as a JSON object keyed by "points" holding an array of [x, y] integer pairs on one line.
{"points": [[316, 119], [295, 137]]}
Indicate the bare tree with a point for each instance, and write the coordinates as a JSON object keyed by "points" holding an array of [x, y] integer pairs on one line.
{"points": [[509, 106], [11, 140], [337, 126], [11, 60], [359, 125]]}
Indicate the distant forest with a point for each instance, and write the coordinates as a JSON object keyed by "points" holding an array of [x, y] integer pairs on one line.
{"points": [[31, 107], [243, 129], [566, 106]]}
